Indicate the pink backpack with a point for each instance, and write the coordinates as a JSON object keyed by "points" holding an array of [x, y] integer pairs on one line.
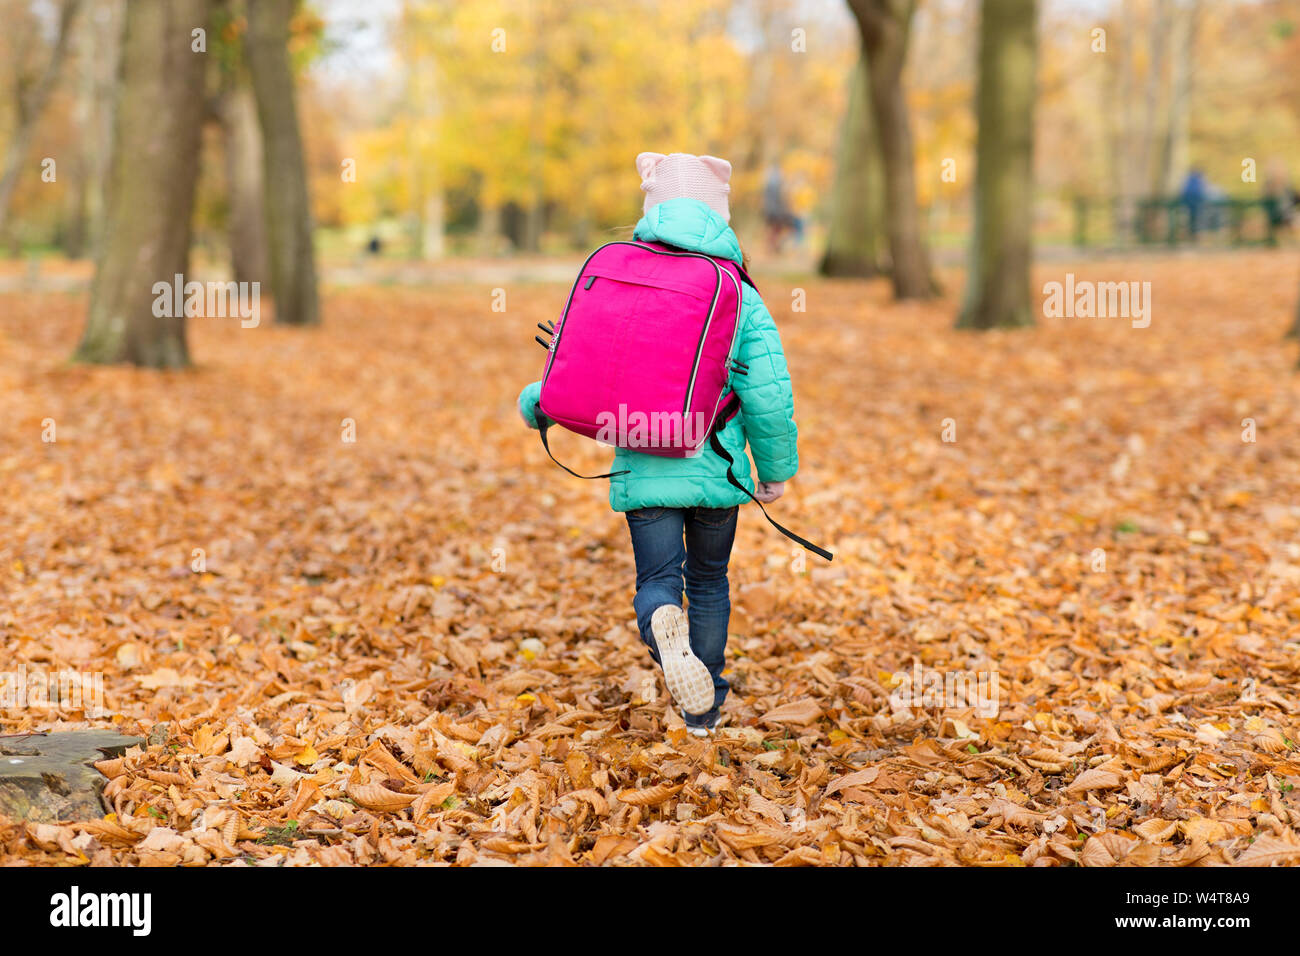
{"points": [[642, 353]]}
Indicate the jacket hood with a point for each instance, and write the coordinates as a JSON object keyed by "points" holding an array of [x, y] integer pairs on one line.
{"points": [[689, 224]]}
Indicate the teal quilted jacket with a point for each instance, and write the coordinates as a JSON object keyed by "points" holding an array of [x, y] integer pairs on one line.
{"points": [[766, 418]]}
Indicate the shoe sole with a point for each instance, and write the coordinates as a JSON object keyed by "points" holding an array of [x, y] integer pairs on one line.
{"points": [[688, 680]]}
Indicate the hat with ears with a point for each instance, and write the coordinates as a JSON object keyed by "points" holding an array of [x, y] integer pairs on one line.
{"points": [[683, 175]]}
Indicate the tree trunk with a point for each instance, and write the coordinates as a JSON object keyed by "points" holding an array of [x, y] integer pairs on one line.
{"points": [[533, 224], [105, 40], [1174, 155], [764, 149], [249, 257], [488, 233], [76, 230], [535, 204], [30, 107], [433, 221], [1148, 175], [854, 242], [1118, 91], [75, 222], [288, 208], [885, 26], [998, 292], [150, 188], [424, 90]]}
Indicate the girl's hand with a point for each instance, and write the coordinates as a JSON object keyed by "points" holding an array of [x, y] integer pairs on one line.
{"points": [[527, 403], [769, 491]]}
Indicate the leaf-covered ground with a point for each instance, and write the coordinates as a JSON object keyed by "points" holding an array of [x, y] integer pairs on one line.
{"points": [[418, 647]]}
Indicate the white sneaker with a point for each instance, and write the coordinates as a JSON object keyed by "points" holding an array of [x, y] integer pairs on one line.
{"points": [[688, 680], [702, 730]]}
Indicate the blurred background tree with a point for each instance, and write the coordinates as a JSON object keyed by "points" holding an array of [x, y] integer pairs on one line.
{"points": [[1001, 247], [886, 29], [33, 83], [241, 137], [292, 256], [429, 129], [149, 194], [855, 235]]}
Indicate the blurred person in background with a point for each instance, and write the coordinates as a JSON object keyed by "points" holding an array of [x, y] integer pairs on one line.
{"points": [[777, 214], [1280, 194], [1194, 195]]}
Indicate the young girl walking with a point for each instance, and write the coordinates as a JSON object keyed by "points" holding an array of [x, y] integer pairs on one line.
{"points": [[681, 512]]}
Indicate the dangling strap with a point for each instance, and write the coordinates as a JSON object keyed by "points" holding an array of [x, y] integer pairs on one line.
{"points": [[543, 423], [722, 453]]}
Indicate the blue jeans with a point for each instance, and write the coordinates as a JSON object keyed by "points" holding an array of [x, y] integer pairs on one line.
{"points": [[696, 542]]}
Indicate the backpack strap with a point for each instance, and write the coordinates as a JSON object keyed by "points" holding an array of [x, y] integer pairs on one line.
{"points": [[543, 423], [733, 404], [745, 275]]}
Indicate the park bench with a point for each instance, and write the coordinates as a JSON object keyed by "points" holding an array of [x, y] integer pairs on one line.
{"points": [[1169, 219]]}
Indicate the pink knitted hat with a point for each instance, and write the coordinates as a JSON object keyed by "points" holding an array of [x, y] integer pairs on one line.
{"points": [[682, 175]]}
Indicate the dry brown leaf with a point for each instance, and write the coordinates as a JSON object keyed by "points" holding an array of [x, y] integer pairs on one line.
{"points": [[1268, 850], [374, 796], [1094, 780], [858, 778], [649, 796], [1155, 830], [798, 712]]}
